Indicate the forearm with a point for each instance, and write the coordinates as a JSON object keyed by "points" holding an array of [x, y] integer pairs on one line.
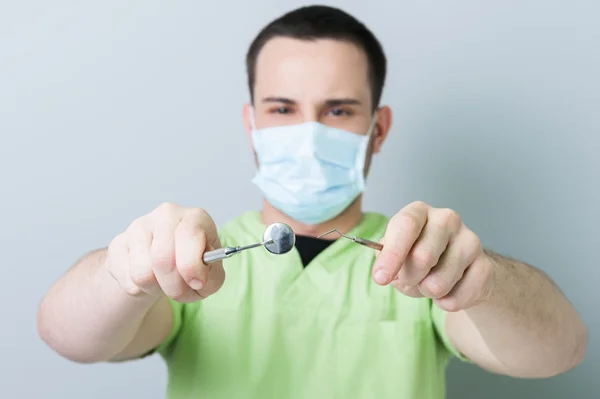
{"points": [[527, 323], [87, 316]]}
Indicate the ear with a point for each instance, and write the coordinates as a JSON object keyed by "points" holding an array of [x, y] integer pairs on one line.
{"points": [[247, 120], [382, 127]]}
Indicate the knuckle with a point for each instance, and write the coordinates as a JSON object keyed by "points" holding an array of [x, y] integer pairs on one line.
{"points": [[136, 226], [187, 269], [143, 279], [190, 228], [133, 290], [202, 237], [451, 305], [457, 259], [473, 240], [449, 218], [198, 213], [419, 204], [423, 258], [470, 248], [165, 260], [408, 222], [118, 241], [166, 209], [434, 287], [407, 290]]}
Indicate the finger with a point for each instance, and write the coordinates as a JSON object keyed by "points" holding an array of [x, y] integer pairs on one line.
{"points": [[460, 253], [213, 274], [425, 253], [139, 237], [190, 245], [204, 221], [473, 287], [382, 242], [216, 279], [402, 232], [117, 264], [163, 259], [407, 290]]}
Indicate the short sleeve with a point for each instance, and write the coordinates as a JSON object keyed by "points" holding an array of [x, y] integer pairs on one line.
{"points": [[177, 308], [439, 322]]}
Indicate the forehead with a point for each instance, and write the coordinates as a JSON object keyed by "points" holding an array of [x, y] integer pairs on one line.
{"points": [[311, 70]]}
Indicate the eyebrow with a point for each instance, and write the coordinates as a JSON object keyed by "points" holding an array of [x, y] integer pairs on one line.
{"points": [[342, 101], [331, 102], [278, 100]]}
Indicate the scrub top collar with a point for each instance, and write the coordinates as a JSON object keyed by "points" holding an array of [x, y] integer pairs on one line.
{"points": [[368, 227]]}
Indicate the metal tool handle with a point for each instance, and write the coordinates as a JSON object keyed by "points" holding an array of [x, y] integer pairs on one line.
{"points": [[218, 254], [368, 243]]}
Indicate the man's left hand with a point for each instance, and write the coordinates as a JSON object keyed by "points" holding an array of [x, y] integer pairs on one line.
{"points": [[429, 252]]}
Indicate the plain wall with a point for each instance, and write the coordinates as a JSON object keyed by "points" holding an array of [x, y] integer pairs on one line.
{"points": [[109, 108]]}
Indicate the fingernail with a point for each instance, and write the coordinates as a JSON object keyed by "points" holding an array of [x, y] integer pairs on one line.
{"points": [[382, 277], [196, 284]]}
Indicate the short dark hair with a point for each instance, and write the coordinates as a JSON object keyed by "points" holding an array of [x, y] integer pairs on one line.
{"points": [[322, 22]]}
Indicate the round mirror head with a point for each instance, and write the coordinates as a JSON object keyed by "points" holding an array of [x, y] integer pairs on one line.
{"points": [[282, 236]]}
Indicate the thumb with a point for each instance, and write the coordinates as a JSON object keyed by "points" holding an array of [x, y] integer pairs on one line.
{"points": [[402, 232]]}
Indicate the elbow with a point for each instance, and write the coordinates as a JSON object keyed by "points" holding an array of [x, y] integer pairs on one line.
{"points": [[563, 358], [44, 323], [48, 330], [580, 346], [576, 352]]}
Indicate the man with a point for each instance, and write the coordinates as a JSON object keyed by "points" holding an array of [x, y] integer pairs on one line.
{"points": [[330, 319]]}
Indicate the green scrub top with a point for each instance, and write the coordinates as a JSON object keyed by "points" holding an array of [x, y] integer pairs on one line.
{"points": [[279, 330]]}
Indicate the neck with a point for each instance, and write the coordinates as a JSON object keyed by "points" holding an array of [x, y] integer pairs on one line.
{"points": [[344, 222]]}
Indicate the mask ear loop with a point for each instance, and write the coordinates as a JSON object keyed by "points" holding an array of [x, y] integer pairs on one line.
{"points": [[252, 121], [253, 130], [362, 160], [370, 132], [373, 124]]}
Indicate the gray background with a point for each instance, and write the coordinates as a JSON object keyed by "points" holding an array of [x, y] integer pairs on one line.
{"points": [[109, 108]]}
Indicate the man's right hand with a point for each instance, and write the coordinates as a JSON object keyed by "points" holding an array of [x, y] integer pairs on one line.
{"points": [[161, 254]]}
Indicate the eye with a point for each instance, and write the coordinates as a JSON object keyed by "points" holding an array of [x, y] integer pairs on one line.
{"points": [[281, 110], [339, 112]]}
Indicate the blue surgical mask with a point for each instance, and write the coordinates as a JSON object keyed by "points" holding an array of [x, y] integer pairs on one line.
{"points": [[310, 171]]}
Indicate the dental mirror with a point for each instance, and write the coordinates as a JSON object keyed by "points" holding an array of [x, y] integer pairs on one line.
{"points": [[279, 238]]}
